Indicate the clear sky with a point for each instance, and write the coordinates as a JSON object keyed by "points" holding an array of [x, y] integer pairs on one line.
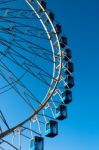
{"points": [[80, 21]]}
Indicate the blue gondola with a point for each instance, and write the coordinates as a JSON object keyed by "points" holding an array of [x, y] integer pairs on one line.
{"points": [[70, 81], [51, 129], [51, 16], [43, 4], [63, 41], [69, 66], [61, 112], [37, 143], [68, 54], [67, 97], [58, 28]]}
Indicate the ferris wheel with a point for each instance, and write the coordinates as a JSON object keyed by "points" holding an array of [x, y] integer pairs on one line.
{"points": [[36, 74]]}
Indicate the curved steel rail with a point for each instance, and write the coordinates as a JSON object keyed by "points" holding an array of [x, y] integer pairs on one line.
{"points": [[55, 80]]}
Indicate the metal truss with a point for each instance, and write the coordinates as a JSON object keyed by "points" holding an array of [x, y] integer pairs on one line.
{"points": [[16, 25]]}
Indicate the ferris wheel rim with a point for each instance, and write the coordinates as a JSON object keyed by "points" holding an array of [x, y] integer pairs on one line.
{"points": [[44, 102]]}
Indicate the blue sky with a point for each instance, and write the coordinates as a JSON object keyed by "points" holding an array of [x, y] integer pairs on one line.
{"points": [[80, 21]]}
